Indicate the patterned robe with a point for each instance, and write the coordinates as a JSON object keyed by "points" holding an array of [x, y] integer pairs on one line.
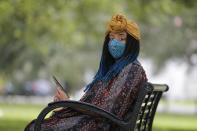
{"points": [[115, 96]]}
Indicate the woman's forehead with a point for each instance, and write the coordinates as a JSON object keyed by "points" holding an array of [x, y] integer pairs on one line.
{"points": [[119, 33]]}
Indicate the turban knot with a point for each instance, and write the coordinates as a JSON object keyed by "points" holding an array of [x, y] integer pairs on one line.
{"points": [[119, 23]]}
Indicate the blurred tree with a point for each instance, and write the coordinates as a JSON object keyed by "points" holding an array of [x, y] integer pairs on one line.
{"points": [[65, 37], [171, 36]]}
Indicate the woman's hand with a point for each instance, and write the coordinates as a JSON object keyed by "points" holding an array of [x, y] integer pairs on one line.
{"points": [[60, 95]]}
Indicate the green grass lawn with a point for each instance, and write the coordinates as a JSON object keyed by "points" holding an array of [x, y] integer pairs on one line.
{"points": [[169, 122], [16, 117]]}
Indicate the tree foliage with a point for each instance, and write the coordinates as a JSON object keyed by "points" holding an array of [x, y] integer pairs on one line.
{"points": [[65, 37]]}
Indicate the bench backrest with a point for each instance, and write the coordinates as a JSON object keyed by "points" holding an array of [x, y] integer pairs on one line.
{"points": [[142, 116]]}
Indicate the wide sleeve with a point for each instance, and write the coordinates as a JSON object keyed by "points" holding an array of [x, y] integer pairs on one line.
{"points": [[118, 94], [128, 89]]}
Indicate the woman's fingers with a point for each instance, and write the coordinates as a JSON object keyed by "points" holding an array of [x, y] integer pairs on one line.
{"points": [[60, 94], [56, 98], [57, 89]]}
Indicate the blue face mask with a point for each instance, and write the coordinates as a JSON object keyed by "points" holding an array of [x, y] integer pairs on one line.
{"points": [[116, 48]]}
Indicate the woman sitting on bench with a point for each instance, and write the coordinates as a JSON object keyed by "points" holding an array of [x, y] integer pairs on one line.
{"points": [[114, 87]]}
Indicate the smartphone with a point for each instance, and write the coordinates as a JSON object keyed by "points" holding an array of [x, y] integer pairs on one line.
{"points": [[57, 82]]}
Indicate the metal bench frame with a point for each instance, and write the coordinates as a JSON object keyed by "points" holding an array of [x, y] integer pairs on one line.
{"points": [[139, 119]]}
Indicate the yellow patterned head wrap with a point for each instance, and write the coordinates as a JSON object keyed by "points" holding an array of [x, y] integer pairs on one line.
{"points": [[119, 23]]}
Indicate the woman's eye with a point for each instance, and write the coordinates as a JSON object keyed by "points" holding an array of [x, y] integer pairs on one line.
{"points": [[121, 38]]}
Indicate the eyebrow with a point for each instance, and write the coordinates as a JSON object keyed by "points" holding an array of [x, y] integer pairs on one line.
{"points": [[121, 33]]}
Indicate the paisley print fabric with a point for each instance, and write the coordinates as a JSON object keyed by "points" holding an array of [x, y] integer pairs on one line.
{"points": [[115, 96]]}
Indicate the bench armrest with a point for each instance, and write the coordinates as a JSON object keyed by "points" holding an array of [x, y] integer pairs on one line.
{"points": [[77, 104], [160, 87]]}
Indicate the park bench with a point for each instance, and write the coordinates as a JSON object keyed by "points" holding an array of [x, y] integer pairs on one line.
{"points": [[139, 119]]}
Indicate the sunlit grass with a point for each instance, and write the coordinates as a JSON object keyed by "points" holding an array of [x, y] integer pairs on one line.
{"points": [[169, 122], [180, 102], [16, 117]]}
